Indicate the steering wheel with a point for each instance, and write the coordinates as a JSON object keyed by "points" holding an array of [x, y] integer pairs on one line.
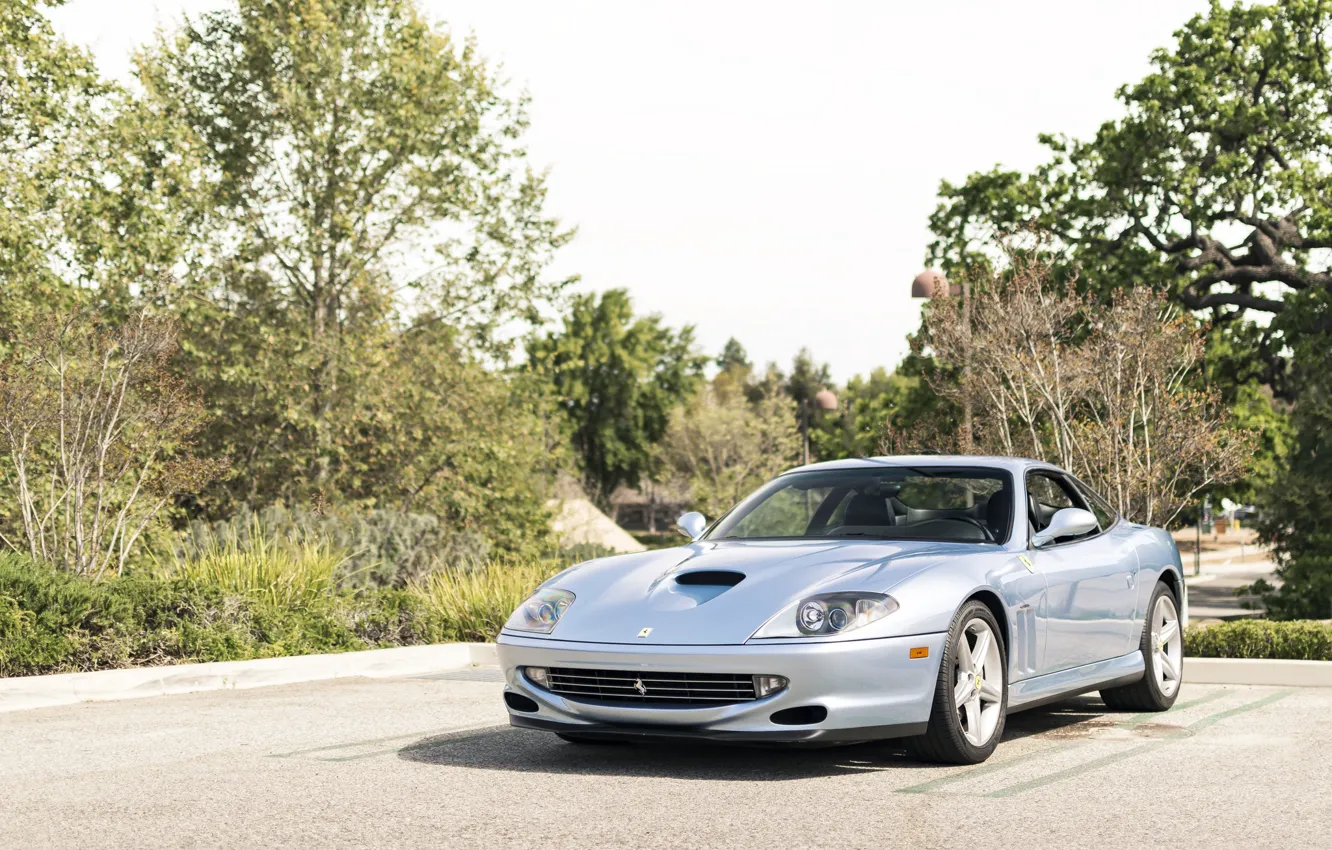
{"points": [[985, 529]]}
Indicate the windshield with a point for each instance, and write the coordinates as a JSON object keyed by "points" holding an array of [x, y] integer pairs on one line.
{"points": [[962, 504]]}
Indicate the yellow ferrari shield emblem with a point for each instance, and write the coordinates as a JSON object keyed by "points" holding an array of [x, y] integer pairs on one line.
{"points": [[1026, 562]]}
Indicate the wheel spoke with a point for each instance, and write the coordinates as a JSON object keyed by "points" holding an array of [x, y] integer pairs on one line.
{"points": [[1168, 632], [990, 692], [962, 691], [1167, 665], [973, 709], [982, 649], [964, 653]]}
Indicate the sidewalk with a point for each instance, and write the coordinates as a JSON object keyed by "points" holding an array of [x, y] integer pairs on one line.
{"points": [[1212, 594]]}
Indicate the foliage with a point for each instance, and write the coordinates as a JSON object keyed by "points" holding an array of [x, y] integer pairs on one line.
{"points": [[285, 571], [1296, 519], [723, 448], [867, 406], [1103, 391], [419, 426], [380, 547], [1301, 640], [474, 604], [53, 621], [616, 378], [333, 139], [1215, 181], [97, 434]]}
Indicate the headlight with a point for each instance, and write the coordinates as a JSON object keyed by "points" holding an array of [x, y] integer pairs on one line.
{"points": [[540, 611], [828, 614]]}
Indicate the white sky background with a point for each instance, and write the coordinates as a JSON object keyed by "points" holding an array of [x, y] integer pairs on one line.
{"points": [[765, 170]]}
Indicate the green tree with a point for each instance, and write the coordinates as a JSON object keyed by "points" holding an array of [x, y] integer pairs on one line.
{"points": [[361, 172], [723, 448], [1215, 182], [616, 377], [733, 357], [1296, 515]]}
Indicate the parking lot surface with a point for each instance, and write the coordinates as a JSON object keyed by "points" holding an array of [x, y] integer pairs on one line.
{"points": [[431, 762]]}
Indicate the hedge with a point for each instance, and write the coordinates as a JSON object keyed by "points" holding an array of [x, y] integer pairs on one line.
{"points": [[1303, 640]]}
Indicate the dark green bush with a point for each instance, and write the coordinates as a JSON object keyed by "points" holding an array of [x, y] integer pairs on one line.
{"points": [[1306, 640], [53, 622]]}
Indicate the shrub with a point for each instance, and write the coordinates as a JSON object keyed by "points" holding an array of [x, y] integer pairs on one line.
{"points": [[472, 606], [285, 571], [381, 547], [1307, 640]]}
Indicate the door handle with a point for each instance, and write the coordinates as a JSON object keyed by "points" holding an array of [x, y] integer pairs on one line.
{"points": [[1132, 579]]}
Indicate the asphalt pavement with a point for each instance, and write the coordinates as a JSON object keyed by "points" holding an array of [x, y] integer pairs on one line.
{"points": [[431, 762]]}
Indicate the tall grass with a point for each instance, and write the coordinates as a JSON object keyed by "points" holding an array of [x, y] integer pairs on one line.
{"points": [[474, 604], [286, 571]]}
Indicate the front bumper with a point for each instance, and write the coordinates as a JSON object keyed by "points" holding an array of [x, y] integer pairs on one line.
{"points": [[872, 689]]}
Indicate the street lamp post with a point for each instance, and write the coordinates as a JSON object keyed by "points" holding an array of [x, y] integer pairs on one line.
{"points": [[822, 400], [931, 283]]}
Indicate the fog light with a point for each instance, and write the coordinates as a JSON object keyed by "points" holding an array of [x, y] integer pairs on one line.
{"points": [[537, 676], [769, 685]]}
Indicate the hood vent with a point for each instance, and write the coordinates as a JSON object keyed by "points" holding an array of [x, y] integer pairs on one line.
{"points": [[710, 578]]}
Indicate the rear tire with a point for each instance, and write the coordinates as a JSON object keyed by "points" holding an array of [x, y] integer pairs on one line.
{"points": [[970, 694], [1162, 648]]}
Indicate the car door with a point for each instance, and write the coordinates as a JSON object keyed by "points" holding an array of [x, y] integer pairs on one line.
{"points": [[1090, 597]]}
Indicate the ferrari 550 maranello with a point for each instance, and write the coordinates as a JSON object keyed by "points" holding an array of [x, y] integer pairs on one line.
{"points": [[922, 598]]}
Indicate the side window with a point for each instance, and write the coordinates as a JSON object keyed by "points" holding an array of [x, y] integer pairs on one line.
{"points": [[1045, 498], [1105, 515]]}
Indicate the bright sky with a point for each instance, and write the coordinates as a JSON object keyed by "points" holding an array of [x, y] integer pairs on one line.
{"points": [[765, 170]]}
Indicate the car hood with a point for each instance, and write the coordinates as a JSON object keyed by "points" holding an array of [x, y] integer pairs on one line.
{"points": [[617, 598]]}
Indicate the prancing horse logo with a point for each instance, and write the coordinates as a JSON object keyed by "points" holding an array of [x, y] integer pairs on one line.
{"points": [[640, 687]]}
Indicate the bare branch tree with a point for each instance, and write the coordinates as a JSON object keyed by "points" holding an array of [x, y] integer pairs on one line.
{"points": [[1104, 391], [97, 433]]}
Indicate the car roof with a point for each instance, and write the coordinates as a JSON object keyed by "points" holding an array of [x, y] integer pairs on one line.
{"points": [[1016, 465]]}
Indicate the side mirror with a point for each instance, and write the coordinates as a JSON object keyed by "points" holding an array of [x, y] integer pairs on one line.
{"points": [[1069, 522], [692, 525]]}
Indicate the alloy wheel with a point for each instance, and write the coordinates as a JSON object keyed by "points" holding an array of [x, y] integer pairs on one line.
{"points": [[978, 688], [1167, 645]]}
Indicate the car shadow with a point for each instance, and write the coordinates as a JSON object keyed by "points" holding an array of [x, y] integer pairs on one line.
{"points": [[528, 751]]}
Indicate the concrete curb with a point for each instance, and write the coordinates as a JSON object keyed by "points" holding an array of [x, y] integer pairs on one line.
{"points": [[26, 692], [1255, 671]]}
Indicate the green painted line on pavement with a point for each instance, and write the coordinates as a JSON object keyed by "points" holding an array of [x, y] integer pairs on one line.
{"points": [[1096, 764], [1135, 720], [1139, 719], [934, 784]]}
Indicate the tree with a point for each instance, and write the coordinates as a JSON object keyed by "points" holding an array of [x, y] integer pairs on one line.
{"points": [[1215, 182], [98, 437], [723, 448], [733, 357], [1104, 391], [868, 405], [616, 378], [1296, 518], [334, 138]]}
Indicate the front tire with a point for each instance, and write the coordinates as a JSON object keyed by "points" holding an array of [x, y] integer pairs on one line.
{"points": [[971, 693], [1162, 648]]}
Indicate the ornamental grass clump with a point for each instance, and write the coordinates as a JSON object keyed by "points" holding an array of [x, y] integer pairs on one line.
{"points": [[287, 572], [474, 604]]}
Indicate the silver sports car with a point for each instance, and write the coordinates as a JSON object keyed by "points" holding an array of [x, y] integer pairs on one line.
{"points": [[902, 597]]}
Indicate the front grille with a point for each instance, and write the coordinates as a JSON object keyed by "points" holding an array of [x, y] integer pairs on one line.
{"points": [[659, 689]]}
